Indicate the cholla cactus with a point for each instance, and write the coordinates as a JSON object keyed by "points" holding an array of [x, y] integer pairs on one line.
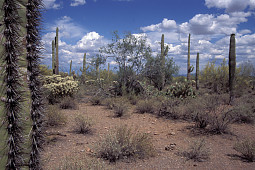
{"points": [[11, 52]]}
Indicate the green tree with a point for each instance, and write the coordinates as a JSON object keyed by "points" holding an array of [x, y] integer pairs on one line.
{"points": [[130, 53]]}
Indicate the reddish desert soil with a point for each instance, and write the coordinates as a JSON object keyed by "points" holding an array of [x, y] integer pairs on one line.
{"points": [[164, 132]]}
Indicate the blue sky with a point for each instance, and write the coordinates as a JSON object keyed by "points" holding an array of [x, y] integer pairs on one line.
{"points": [[86, 25]]}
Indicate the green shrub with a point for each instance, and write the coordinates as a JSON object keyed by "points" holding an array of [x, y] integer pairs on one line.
{"points": [[68, 103], [120, 108], [181, 90], [145, 106], [83, 124], [122, 143], [247, 149], [198, 151], [96, 100], [54, 117]]}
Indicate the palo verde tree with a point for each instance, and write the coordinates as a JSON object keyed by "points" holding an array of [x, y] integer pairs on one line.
{"points": [[11, 82], [33, 46], [129, 53]]}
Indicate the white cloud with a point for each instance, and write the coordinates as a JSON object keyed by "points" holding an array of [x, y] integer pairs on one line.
{"points": [[51, 4], [78, 2], [231, 5], [164, 25]]}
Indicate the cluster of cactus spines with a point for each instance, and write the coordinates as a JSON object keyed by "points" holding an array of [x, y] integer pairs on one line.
{"points": [[53, 57], [33, 45], [164, 52], [12, 51], [197, 72], [232, 66], [189, 68], [56, 46], [70, 71]]}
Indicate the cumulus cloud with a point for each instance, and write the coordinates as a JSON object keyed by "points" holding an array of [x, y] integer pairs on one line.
{"points": [[164, 25], [51, 4], [231, 5], [78, 2]]}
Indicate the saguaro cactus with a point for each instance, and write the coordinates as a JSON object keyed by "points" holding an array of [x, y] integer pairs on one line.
{"points": [[164, 52], [53, 57], [57, 57], [33, 61], [197, 72], [232, 66], [70, 72], [84, 64], [11, 52], [189, 68]]}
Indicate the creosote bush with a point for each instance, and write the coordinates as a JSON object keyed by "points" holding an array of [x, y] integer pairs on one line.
{"points": [[83, 124], [145, 106], [247, 150], [68, 103], [120, 108], [198, 151], [54, 117], [123, 143]]}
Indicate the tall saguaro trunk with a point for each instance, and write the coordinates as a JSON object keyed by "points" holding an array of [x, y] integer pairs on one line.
{"points": [[197, 72], [163, 54], [53, 57], [11, 53], [188, 63], [232, 67], [84, 64], [57, 57], [33, 15], [70, 71]]}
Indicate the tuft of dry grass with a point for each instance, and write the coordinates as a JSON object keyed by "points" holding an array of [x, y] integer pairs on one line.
{"points": [[145, 106], [123, 143], [247, 150], [54, 117], [68, 103], [198, 151], [83, 124]]}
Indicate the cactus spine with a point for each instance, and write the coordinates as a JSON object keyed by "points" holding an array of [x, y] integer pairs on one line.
{"points": [[70, 72], [164, 52], [53, 57], [197, 72], [189, 68], [12, 86], [57, 59], [232, 66], [33, 51]]}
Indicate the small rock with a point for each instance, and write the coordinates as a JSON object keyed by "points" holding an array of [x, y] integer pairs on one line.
{"points": [[82, 150], [172, 133], [155, 133]]}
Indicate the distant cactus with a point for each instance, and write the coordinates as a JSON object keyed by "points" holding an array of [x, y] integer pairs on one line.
{"points": [[164, 52], [12, 84], [108, 71], [57, 57], [197, 72], [70, 72], [232, 66], [53, 57], [84, 63], [189, 68]]}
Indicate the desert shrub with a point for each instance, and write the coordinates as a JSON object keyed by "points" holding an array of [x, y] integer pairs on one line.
{"points": [[120, 108], [198, 151], [72, 163], [58, 87], [181, 90], [202, 120], [83, 124], [133, 99], [96, 100], [109, 102], [145, 106], [219, 122], [122, 143], [54, 117], [169, 109], [68, 103], [247, 149]]}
